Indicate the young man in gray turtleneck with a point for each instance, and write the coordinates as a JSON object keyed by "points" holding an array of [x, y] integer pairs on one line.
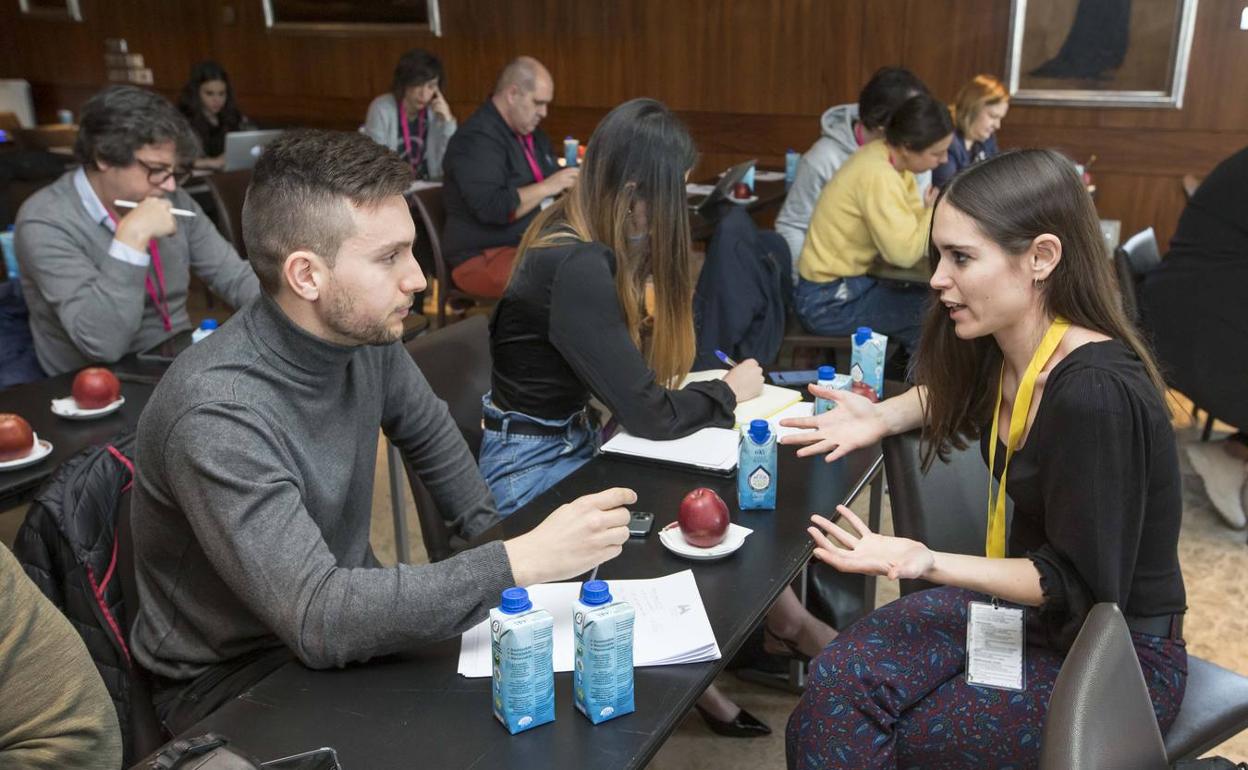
{"points": [[256, 454]]}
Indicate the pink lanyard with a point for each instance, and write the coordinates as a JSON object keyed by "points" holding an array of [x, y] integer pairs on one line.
{"points": [[407, 135], [526, 143], [162, 302], [858, 136]]}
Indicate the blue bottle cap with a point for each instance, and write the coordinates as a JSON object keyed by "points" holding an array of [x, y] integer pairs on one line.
{"points": [[760, 430], [208, 324], [595, 592], [791, 150], [515, 601], [570, 139], [827, 372], [862, 335]]}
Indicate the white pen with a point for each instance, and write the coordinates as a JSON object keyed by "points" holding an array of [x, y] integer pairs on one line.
{"points": [[131, 204]]}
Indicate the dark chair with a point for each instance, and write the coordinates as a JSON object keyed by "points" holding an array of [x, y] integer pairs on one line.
{"points": [[147, 735], [797, 338], [430, 220], [945, 508], [456, 362], [1100, 716], [228, 190]]}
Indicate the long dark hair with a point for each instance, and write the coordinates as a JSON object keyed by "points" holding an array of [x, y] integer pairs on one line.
{"points": [[1013, 198], [188, 102], [640, 152]]}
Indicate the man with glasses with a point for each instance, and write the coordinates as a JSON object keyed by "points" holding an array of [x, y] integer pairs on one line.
{"points": [[103, 279]]}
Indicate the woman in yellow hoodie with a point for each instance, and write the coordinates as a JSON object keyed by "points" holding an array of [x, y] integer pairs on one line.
{"points": [[872, 207]]}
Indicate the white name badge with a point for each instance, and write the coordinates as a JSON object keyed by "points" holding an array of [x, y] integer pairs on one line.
{"points": [[994, 646], [547, 201]]}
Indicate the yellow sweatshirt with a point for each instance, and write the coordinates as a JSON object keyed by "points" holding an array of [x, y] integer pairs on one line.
{"points": [[867, 208]]}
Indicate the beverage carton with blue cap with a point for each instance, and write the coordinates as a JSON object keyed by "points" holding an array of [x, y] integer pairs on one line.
{"points": [[867, 363], [602, 676], [522, 646], [828, 378], [756, 468]]}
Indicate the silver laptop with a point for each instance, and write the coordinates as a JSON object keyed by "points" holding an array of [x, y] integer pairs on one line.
{"points": [[723, 188], [243, 148]]}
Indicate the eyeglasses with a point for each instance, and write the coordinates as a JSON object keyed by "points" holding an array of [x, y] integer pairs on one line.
{"points": [[157, 175]]}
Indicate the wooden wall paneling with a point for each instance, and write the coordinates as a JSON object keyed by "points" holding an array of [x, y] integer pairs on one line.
{"points": [[972, 39], [1141, 201]]}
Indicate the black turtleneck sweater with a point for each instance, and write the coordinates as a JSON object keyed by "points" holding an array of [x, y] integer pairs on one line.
{"points": [[251, 511]]}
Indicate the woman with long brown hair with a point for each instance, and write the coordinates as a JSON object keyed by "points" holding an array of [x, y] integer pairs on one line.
{"points": [[1028, 351], [574, 323]]}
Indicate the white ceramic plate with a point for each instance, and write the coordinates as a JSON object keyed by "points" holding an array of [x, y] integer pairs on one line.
{"points": [[742, 201], [68, 408], [674, 541], [42, 450]]}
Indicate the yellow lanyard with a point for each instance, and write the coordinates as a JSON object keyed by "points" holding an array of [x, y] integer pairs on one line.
{"points": [[995, 545]]}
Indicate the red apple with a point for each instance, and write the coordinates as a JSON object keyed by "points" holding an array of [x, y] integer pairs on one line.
{"points": [[741, 191], [703, 518], [95, 388], [16, 438]]}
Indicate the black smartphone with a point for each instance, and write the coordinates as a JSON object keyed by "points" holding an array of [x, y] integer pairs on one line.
{"points": [[640, 523], [805, 377]]}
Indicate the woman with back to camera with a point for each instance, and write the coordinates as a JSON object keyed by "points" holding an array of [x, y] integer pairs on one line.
{"points": [[207, 101], [573, 323], [414, 119], [871, 208], [1027, 350], [977, 114]]}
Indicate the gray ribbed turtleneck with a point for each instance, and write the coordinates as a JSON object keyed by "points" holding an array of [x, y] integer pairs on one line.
{"points": [[252, 508]]}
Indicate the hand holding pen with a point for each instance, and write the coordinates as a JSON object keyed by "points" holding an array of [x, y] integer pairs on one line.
{"points": [[745, 378]]}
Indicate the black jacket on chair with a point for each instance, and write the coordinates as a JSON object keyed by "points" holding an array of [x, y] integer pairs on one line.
{"points": [[739, 302], [68, 546]]}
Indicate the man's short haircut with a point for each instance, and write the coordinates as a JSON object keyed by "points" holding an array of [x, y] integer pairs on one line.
{"points": [[887, 90], [299, 191], [119, 120], [521, 71]]}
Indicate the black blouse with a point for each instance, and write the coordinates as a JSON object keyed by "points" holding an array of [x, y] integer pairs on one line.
{"points": [[1097, 494], [558, 335]]}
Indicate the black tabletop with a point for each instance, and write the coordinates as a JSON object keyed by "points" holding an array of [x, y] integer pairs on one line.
{"points": [[414, 710], [33, 402]]}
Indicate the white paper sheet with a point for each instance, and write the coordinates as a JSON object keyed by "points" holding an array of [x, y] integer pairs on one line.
{"points": [[713, 449], [671, 625]]}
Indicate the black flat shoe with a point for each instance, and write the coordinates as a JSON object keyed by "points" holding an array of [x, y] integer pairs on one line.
{"points": [[746, 725], [788, 646]]}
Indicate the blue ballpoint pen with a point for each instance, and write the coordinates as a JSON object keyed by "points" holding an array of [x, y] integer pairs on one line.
{"points": [[722, 356]]}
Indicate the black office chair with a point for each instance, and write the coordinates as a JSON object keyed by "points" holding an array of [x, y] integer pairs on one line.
{"points": [[228, 190], [945, 509], [1100, 716], [456, 362], [430, 220]]}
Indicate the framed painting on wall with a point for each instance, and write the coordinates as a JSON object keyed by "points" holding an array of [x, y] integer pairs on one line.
{"points": [[346, 16], [1105, 53], [51, 9]]}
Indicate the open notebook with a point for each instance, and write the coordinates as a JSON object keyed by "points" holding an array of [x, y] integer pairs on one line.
{"points": [[671, 625], [770, 402], [714, 450]]}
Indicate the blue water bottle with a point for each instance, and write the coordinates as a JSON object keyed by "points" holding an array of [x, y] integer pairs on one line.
{"points": [[756, 468], [749, 179], [790, 167], [10, 253], [571, 149]]}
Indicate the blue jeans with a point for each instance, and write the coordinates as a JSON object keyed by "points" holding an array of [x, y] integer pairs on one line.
{"points": [[518, 467], [837, 308]]}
